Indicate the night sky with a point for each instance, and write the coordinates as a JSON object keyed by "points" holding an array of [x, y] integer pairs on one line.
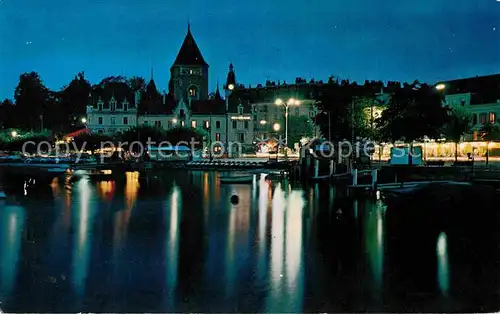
{"points": [[403, 40]]}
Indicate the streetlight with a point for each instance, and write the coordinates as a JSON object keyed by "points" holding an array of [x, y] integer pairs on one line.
{"points": [[13, 133], [84, 120], [276, 127], [290, 102], [440, 86], [174, 120], [263, 122], [230, 86], [228, 91]]}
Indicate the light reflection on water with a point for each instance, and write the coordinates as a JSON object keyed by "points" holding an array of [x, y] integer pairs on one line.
{"points": [[187, 248]]}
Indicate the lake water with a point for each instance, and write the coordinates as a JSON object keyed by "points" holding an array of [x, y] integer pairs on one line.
{"points": [[180, 245]]}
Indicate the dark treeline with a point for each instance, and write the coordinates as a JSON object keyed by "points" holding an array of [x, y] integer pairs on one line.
{"points": [[35, 107]]}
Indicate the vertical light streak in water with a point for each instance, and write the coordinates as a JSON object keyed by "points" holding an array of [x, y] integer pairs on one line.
{"points": [[443, 275], [263, 203], [355, 206], [374, 242], [11, 224], [293, 254], [173, 239], [231, 233], [275, 298], [81, 250]]}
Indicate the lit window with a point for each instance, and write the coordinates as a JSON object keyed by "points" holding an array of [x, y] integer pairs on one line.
{"points": [[206, 123], [482, 118], [492, 117], [125, 120], [182, 123], [190, 71], [193, 124], [192, 92], [217, 137]]}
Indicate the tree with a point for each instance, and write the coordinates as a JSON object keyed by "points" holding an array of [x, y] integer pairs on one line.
{"points": [[7, 112], [137, 83], [185, 136], [298, 128], [74, 100], [91, 141], [31, 101], [457, 125], [414, 111], [143, 134]]}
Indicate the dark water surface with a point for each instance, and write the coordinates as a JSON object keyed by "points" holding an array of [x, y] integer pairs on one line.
{"points": [[180, 245]]}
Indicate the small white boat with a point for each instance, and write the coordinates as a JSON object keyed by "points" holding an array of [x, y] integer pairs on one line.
{"points": [[237, 179]]}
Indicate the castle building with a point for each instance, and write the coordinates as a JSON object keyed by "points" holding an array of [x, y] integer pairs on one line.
{"points": [[187, 103]]}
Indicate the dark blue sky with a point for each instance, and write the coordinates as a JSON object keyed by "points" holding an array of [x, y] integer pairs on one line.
{"points": [[276, 39]]}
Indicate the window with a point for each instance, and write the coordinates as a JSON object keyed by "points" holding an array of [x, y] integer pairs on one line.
{"points": [[182, 123], [206, 124], [246, 124], [169, 124], [193, 124], [217, 124], [158, 123], [181, 113], [125, 120], [192, 91], [275, 116], [217, 137], [235, 124], [297, 111], [190, 71], [462, 102], [113, 120], [119, 106], [474, 119], [240, 109], [241, 137], [99, 120], [492, 117], [112, 104], [482, 118]]}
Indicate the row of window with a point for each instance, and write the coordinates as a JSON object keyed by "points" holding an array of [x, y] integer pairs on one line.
{"points": [[206, 123], [113, 120], [484, 118]]}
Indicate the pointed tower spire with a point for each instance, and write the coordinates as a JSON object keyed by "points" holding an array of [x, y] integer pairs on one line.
{"points": [[189, 54], [152, 77], [217, 93]]}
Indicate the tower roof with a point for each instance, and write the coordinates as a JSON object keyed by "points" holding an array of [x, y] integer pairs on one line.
{"points": [[189, 54]]}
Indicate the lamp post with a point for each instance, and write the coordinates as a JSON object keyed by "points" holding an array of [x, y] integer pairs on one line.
{"points": [[290, 102], [228, 92]]}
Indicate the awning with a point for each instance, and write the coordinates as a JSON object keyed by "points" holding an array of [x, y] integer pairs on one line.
{"points": [[76, 133]]}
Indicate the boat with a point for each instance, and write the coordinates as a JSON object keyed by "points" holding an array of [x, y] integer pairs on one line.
{"points": [[237, 179]]}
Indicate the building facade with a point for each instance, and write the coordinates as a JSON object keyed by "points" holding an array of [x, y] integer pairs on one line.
{"points": [[477, 96]]}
